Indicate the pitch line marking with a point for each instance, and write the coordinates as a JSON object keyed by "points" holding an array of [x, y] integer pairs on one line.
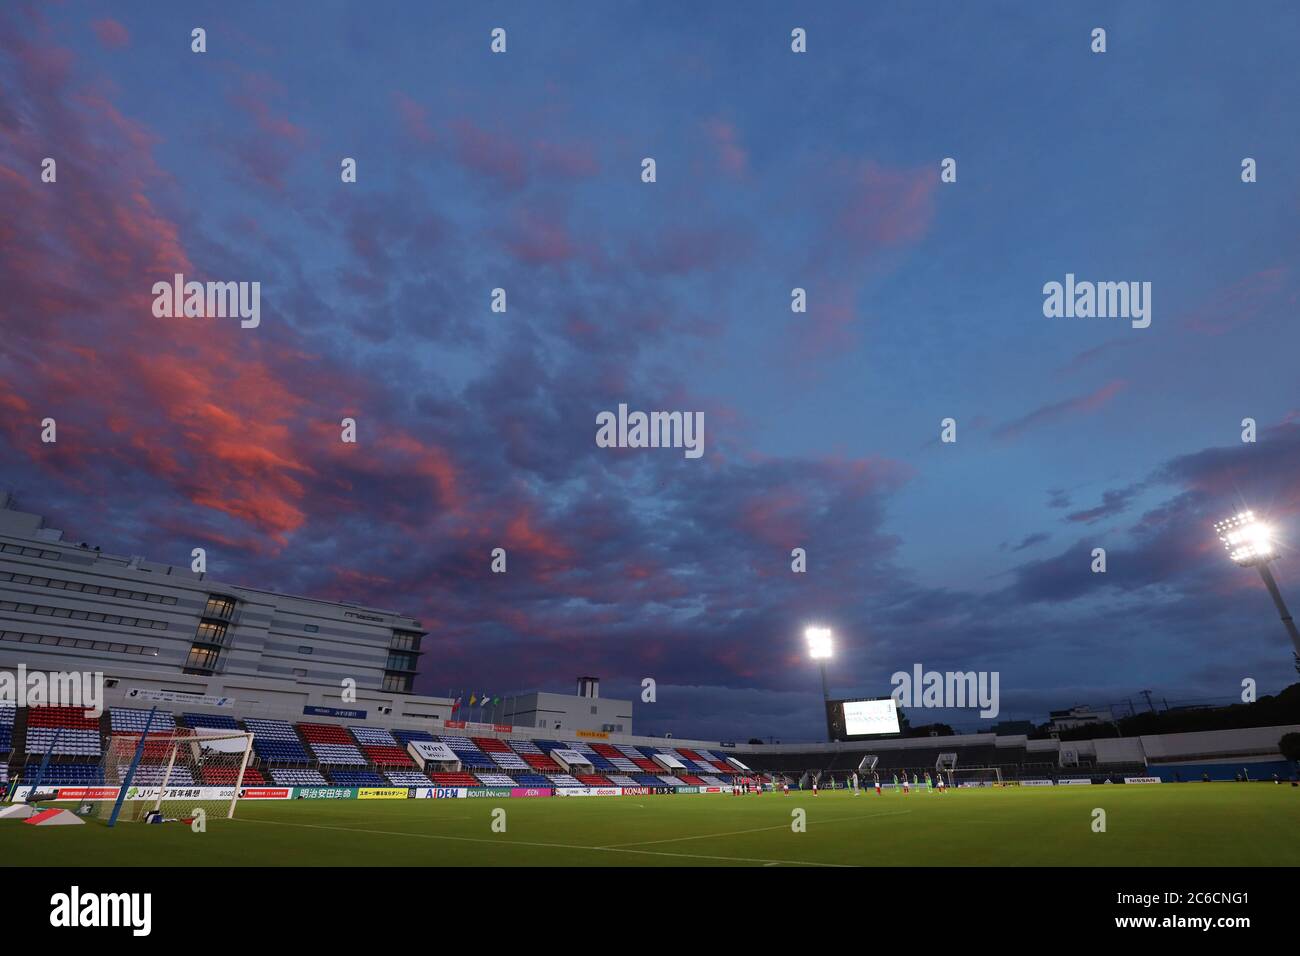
{"points": [[779, 826], [551, 846]]}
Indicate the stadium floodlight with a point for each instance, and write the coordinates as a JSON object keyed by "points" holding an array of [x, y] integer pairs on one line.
{"points": [[819, 642], [1249, 542]]}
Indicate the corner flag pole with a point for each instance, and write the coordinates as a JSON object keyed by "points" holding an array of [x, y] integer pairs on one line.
{"points": [[135, 762]]}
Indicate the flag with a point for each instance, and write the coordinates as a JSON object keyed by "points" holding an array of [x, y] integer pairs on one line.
{"points": [[472, 699], [455, 705]]}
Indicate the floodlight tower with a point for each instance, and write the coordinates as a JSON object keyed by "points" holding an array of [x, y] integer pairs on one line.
{"points": [[819, 649], [1249, 543]]}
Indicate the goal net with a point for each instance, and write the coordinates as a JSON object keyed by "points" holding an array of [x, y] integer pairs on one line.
{"points": [[982, 777], [177, 775]]}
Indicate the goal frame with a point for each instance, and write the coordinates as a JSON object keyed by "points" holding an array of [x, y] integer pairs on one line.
{"points": [[175, 743], [953, 779]]}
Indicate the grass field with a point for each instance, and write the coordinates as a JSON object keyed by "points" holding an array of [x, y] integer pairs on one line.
{"points": [[1217, 824]]}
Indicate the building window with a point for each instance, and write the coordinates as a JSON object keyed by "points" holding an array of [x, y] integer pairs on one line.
{"points": [[209, 633], [218, 606], [397, 683], [299, 672], [304, 649], [405, 641], [202, 660], [401, 662], [310, 628]]}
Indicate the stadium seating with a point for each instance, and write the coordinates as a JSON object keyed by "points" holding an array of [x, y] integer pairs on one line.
{"points": [[404, 737], [132, 721], [647, 780], [382, 756], [598, 761], [66, 728], [356, 778], [495, 779], [324, 734], [225, 776], [594, 780], [501, 754], [152, 774], [337, 755], [542, 763], [461, 779], [7, 715], [214, 721], [531, 780], [564, 780], [621, 780], [471, 758], [275, 741], [287, 777], [65, 774], [407, 778], [374, 737]]}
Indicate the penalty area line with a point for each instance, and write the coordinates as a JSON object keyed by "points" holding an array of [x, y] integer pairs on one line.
{"points": [[550, 846]]}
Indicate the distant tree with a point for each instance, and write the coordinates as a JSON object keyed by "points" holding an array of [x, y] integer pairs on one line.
{"points": [[1290, 746]]}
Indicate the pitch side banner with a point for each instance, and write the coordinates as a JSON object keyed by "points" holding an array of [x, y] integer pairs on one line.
{"points": [[590, 791], [382, 793], [436, 793], [1074, 783], [325, 793], [1036, 783], [151, 793], [530, 792], [1143, 780], [487, 791]]}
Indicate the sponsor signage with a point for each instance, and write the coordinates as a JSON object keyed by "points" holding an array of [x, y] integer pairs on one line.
{"points": [[488, 791], [590, 791], [591, 734], [1143, 780], [178, 697], [454, 724], [334, 712], [1072, 782], [687, 789], [264, 793], [502, 728], [530, 792], [1036, 783], [325, 793], [381, 793], [20, 794], [435, 793], [636, 791], [425, 751]]}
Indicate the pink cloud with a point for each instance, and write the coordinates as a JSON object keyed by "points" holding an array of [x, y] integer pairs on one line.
{"points": [[111, 33]]}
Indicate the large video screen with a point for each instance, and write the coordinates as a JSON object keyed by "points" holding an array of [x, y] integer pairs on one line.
{"points": [[863, 717]]}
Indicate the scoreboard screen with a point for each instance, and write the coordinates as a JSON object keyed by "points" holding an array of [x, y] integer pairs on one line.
{"points": [[851, 719]]}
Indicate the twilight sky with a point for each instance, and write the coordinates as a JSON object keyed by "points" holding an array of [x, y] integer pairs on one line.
{"points": [[775, 170]]}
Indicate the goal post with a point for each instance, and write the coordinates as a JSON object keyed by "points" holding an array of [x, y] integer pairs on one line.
{"points": [[175, 774], [974, 777]]}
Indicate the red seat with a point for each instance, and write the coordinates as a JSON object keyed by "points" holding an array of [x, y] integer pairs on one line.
{"points": [[594, 780], [384, 756], [491, 745], [324, 734], [542, 762], [455, 779]]}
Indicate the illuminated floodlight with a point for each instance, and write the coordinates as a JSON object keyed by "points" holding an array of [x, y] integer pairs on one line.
{"points": [[819, 642], [1247, 540]]}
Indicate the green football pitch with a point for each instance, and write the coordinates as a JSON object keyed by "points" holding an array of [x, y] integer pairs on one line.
{"points": [[1216, 824]]}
